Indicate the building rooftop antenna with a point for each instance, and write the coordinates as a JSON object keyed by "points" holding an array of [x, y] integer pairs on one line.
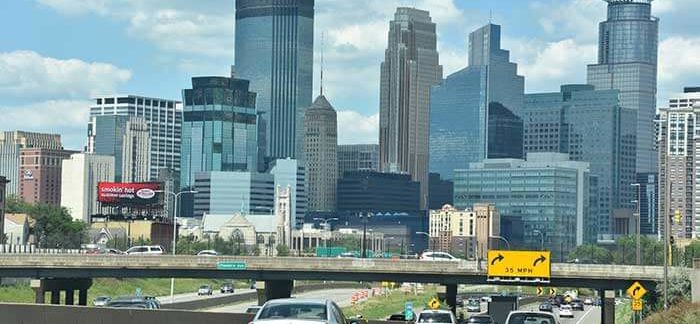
{"points": [[322, 46], [490, 16]]}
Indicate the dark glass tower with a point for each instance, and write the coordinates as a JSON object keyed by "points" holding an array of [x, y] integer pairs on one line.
{"points": [[627, 59], [274, 50], [219, 128]]}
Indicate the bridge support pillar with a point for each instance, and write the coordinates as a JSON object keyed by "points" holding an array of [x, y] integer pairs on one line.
{"points": [[451, 297], [607, 312], [274, 289], [55, 286]]}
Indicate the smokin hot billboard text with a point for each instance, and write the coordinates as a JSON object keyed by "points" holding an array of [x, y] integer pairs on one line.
{"points": [[128, 194]]}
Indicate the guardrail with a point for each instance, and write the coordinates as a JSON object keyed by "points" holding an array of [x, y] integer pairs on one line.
{"points": [[32, 249]]}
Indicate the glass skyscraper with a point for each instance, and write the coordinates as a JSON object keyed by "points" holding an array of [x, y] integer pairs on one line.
{"points": [[219, 130], [547, 193], [627, 61], [590, 126], [409, 69], [460, 116], [274, 50]]}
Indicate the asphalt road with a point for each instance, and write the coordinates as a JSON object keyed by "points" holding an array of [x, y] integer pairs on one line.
{"points": [[340, 296], [590, 314], [193, 296]]}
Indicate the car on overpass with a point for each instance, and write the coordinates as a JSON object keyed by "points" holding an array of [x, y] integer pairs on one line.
{"points": [[145, 250], [299, 311], [208, 253], [527, 317], [438, 256]]}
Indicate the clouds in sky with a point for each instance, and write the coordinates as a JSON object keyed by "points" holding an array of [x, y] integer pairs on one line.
{"points": [[551, 48]]}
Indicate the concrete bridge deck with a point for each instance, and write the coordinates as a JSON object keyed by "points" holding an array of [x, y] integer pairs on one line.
{"points": [[295, 268]]}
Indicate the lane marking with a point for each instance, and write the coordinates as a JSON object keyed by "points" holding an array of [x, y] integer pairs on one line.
{"points": [[586, 314]]}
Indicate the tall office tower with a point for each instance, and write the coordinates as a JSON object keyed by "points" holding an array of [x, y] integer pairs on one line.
{"points": [[163, 118], [357, 157], [409, 69], [679, 165], [321, 155], [474, 112], [80, 175], [274, 50], [10, 144], [40, 175], [590, 126], [3, 192], [627, 59], [219, 131], [127, 139]]}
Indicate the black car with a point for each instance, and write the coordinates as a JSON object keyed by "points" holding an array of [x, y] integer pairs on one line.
{"points": [[577, 305], [546, 307], [480, 319]]}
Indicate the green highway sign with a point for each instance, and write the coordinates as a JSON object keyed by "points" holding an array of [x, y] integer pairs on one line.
{"points": [[231, 265]]}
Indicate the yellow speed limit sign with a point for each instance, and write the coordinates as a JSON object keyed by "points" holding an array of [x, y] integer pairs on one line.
{"points": [[637, 304]]}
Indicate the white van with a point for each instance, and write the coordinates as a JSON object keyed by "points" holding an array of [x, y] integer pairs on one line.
{"points": [[145, 250]]}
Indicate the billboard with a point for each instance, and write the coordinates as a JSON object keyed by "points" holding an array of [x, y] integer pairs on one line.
{"points": [[135, 194]]}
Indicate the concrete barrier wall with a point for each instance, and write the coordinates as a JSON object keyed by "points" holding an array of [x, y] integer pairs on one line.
{"points": [[252, 295], [58, 314]]}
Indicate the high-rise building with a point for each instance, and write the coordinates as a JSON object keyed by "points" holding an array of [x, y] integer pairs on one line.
{"points": [[127, 139], [233, 192], [320, 150], [441, 191], [164, 121], [10, 144], [409, 69], [547, 193], [40, 175], [678, 167], [591, 126], [357, 157], [627, 61], [471, 228], [648, 197], [219, 128], [274, 50], [474, 111], [3, 193], [80, 175], [371, 191]]}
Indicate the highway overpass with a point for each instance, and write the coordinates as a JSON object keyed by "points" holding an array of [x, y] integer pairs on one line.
{"points": [[294, 268]]}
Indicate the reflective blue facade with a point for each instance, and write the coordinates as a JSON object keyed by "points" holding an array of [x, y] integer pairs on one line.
{"points": [[460, 120], [627, 61], [590, 126], [219, 130], [274, 50]]}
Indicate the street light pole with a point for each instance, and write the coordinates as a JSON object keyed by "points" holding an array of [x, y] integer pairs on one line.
{"points": [[364, 220], [541, 239], [503, 239], [175, 201], [639, 220], [427, 236], [324, 223]]}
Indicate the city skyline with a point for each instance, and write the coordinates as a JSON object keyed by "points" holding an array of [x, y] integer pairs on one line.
{"points": [[549, 50]]}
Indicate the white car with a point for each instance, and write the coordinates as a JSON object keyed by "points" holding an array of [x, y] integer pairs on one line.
{"points": [[526, 317], [145, 250], [436, 317], [566, 311], [588, 301], [438, 256], [205, 290], [208, 253], [299, 311]]}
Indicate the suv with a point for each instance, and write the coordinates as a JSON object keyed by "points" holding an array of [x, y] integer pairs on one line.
{"points": [[204, 290], [436, 317], [437, 256], [524, 317], [226, 287], [145, 250]]}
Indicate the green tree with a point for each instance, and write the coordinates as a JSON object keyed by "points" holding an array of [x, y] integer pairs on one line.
{"points": [[591, 253], [55, 228], [350, 243], [15, 205], [678, 287], [282, 250], [691, 252]]}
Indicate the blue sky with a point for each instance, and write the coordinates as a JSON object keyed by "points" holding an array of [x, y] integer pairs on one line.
{"points": [[56, 54]]}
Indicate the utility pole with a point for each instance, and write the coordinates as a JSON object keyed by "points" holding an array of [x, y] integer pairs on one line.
{"points": [[638, 219]]}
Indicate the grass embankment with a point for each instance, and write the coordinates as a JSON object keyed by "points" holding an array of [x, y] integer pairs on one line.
{"points": [[380, 307], [684, 313], [22, 293], [623, 312]]}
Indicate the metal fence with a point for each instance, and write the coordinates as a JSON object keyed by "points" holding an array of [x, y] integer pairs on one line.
{"points": [[32, 249]]}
